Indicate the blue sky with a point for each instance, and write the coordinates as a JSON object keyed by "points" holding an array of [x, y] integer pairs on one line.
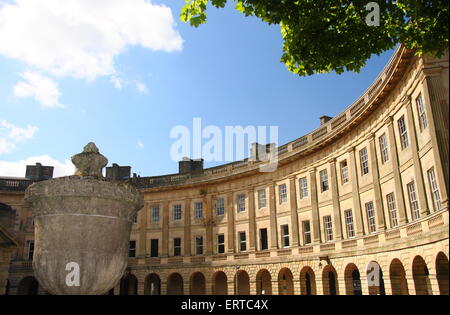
{"points": [[226, 72]]}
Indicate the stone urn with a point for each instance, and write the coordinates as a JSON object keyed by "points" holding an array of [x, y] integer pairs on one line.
{"points": [[82, 228]]}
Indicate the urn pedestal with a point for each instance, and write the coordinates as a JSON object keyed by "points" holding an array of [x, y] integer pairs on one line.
{"points": [[82, 232]]}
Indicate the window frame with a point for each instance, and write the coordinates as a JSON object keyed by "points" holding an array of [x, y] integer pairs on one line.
{"points": [[403, 132], [384, 148], [303, 187], [177, 214], [371, 218], [198, 210], [423, 120], [349, 223], [155, 214], [364, 161], [282, 194], [392, 209], [242, 241], [220, 207], [262, 200], [328, 228], [306, 232], [240, 203], [434, 189], [324, 184], [413, 202]]}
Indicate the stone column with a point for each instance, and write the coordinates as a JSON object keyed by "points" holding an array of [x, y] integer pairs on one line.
{"points": [[231, 287], [230, 223], [379, 208], [165, 230], [364, 284], [420, 185], [355, 193], [164, 287], [187, 228], [253, 287], [208, 202], [251, 220], [411, 285], [336, 203], [399, 197], [319, 282], [387, 286], [296, 284], [434, 283], [143, 233], [273, 217], [294, 213], [315, 207], [275, 287], [436, 108]]}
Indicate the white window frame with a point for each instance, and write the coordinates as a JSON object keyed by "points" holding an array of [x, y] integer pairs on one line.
{"points": [[371, 220], [283, 193], [262, 202], [303, 186], [177, 212], [241, 203], [328, 225], [423, 121], [155, 214], [435, 194], [220, 243], [220, 207], [306, 232], [324, 185], [404, 140], [242, 242], [413, 202], [384, 149], [364, 160], [198, 210], [199, 245], [344, 172], [392, 209], [349, 224], [285, 235]]}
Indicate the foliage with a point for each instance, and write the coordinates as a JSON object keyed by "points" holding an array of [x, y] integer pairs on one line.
{"points": [[332, 35]]}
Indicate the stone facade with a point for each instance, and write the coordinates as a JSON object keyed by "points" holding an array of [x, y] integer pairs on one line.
{"points": [[358, 206]]}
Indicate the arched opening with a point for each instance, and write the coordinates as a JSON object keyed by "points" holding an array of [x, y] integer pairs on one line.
{"points": [[285, 282], [442, 273], [128, 285], [352, 280], [421, 277], [110, 292], [263, 282], [242, 282], [329, 280], [198, 284], [307, 281], [175, 284], [152, 285], [28, 286], [220, 283], [397, 276], [375, 279]]}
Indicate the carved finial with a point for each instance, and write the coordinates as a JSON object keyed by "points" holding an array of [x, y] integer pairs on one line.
{"points": [[89, 162]]}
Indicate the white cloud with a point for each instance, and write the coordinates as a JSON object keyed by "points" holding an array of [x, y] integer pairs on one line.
{"points": [[6, 146], [140, 144], [16, 133], [82, 38], [118, 82], [42, 89], [141, 87], [10, 135], [17, 169]]}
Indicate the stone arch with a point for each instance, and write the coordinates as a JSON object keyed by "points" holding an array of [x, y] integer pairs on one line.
{"points": [[220, 283], [285, 282], [442, 273], [330, 281], [197, 284], [307, 281], [421, 277], [397, 275], [375, 278], [242, 283], [352, 280], [263, 282], [152, 285], [128, 285], [28, 286], [175, 284]]}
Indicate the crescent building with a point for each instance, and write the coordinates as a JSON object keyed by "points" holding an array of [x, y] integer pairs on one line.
{"points": [[357, 206]]}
